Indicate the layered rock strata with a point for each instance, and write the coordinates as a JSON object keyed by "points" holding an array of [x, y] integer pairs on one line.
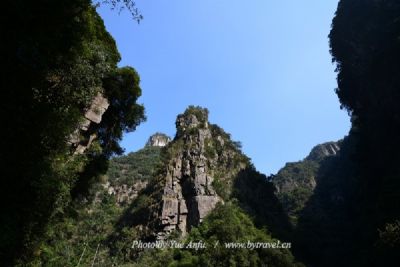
{"points": [[188, 193]]}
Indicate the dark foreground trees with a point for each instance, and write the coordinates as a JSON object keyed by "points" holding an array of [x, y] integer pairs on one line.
{"points": [[56, 57], [352, 218], [365, 45]]}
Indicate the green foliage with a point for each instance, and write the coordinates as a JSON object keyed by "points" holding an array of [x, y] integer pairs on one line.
{"points": [[226, 224], [209, 149], [390, 235], [122, 4], [365, 46], [123, 115], [316, 193], [294, 202], [200, 113], [357, 191], [137, 222], [74, 238], [221, 187], [256, 195], [59, 57], [172, 150], [295, 183], [388, 244], [97, 219], [140, 165]]}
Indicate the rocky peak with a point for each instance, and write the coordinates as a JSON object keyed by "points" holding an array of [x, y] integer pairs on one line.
{"points": [[192, 118], [158, 140], [196, 156], [324, 150]]}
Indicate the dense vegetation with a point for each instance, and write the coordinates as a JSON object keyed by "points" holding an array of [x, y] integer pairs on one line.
{"points": [[226, 224], [139, 165], [318, 194], [365, 45], [352, 216], [58, 57], [296, 181], [89, 223]]}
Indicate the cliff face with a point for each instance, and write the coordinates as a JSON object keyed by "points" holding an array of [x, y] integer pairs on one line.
{"points": [[188, 193]]}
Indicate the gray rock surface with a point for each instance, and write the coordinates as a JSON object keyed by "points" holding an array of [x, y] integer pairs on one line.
{"points": [[158, 139], [81, 139], [99, 105], [324, 150], [188, 194]]}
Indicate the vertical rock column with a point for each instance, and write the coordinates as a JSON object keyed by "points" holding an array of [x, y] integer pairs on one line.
{"points": [[188, 195]]}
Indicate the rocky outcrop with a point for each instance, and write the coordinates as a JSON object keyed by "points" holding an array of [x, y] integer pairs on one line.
{"points": [[81, 139], [158, 139], [321, 151], [188, 193], [303, 174], [99, 105]]}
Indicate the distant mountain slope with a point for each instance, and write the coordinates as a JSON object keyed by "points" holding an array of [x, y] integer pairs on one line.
{"points": [[138, 165], [129, 174], [296, 181], [319, 194]]}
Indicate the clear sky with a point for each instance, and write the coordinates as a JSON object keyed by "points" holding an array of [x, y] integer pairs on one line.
{"points": [[261, 67]]}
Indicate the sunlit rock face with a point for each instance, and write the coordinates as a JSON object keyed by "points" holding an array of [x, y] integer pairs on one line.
{"points": [[188, 194], [200, 156], [83, 136], [158, 139]]}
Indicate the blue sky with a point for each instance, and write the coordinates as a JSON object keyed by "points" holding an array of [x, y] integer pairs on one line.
{"points": [[261, 67]]}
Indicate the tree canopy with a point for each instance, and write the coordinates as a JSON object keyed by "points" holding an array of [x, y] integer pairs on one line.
{"points": [[57, 57]]}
